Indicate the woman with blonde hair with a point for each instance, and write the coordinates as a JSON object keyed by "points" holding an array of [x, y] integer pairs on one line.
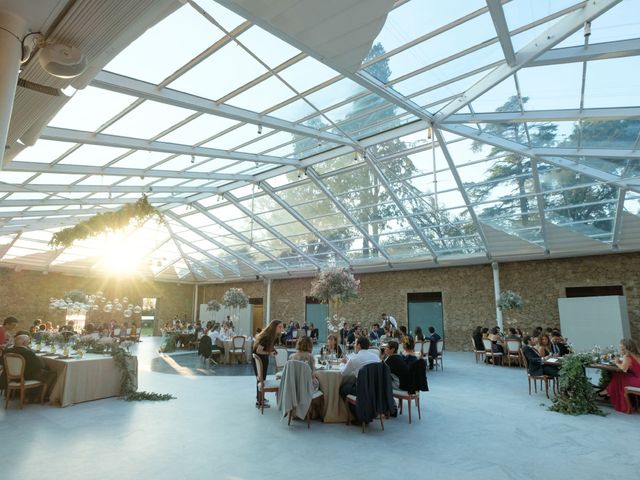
{"points": [[263, 347], [628, 376]]}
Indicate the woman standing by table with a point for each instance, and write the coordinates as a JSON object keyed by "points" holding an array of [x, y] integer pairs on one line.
{"points": [[263, 347], [629, 374]]}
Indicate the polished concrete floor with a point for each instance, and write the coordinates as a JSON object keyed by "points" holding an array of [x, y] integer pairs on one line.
{"points": [[478, 422]]}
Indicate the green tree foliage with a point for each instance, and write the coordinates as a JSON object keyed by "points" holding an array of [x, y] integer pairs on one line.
{"points": [[512, 168]]}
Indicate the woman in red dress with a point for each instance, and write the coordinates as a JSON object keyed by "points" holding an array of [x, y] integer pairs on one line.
{"points": [[628, 376]]}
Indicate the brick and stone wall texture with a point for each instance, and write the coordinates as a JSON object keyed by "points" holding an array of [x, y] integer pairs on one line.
{"points": [[467, 293], [26, 294]]}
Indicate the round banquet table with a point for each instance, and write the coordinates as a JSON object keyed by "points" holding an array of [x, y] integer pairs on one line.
{"points": [[334, 410]]}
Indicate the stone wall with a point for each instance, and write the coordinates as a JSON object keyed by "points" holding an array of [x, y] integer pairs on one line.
{"points": [[25, 294], [467, 293]]}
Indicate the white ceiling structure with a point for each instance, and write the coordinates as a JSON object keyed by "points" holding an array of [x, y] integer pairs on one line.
{"points": [[279, 138]]}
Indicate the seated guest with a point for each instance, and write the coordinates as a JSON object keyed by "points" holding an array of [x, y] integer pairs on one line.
{"points": [[477, 338], [6, 330], [485, 333], [39, 335], [513, 335], [353, 335], [363, 357], [303, 354], [433, 347], [34, 368], [404, 331], [628, 376], [314, 333], [399, 369], [331, 347], [216, 341], [535, 362], [496, 340], [418, 336], [544, 345], [344, 332], [558, 345], [409, 351]]}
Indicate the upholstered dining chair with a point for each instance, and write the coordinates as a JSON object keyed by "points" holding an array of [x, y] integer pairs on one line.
{"points": [[628, 392], [543, 379], [264, 386], [417, 350], [418, 371], [297, 396], [282, 355], [489, 353], [237, 348], [439, 354], [479, 353], [14, 369], [375, 394], [513, 352]]}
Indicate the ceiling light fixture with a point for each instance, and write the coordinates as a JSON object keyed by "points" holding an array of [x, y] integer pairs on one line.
{"points": [[259, 129], [193, 158]]}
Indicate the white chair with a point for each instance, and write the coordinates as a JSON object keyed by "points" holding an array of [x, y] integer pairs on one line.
{"points": [[439, 354], [488, 351], [14, 369], [282, 355], [264, 386], [479, 353], [419, 352], [513, 352], [296, 394], [237, 348]]}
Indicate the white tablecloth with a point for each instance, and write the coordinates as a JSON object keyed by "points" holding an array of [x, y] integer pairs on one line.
{"points": [[80, 380]]}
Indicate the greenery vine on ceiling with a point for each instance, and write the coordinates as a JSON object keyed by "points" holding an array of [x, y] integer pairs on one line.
{"points": [[139, 212]]}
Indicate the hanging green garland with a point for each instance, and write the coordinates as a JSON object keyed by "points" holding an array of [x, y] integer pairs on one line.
{"points": [[127, 385], [576, 393], [139, 212]]}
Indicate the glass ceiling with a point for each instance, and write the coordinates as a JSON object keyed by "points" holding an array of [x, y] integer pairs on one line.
{"points": [[464, 136]]}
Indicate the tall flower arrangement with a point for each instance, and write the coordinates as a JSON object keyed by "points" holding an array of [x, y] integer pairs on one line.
{"points": [[510, 300], [213, 306], [335, 285], [235, 298]]}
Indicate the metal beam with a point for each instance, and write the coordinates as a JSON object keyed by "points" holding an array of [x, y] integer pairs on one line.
{"points": [[238, 234], [530, 152], [562, 29], [270, 229], [461, 189], [117, 171], [240, 258], [416, 228], [184, 257], [585, 152], [618, 223], [103, 139], [5, 187], [540, 202], [89, 201], [597, 114], [137, 88], [594, 51], [294, 213], [313, 176], [500, 25], [177, 219], [50, 213], [15, 239]]}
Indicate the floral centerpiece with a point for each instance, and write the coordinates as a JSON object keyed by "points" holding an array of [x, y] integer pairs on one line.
{"points": [[334, 322], [510, 300], [213, 305], [576, 395], [335, 285], [235, 298]]}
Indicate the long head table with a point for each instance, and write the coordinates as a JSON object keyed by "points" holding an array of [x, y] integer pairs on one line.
{"points": [[93, 377]]}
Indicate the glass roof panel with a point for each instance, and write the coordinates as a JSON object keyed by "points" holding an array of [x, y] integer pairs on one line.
{"points": [[161, 50], [93, 155], [270, 49], [263, 96], [306, 74], [148, 120], [601, 75], [43, 151], [198, 130], [221, 73]]}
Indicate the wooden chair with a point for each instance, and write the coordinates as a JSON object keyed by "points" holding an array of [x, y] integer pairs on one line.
{"points": [[237, 348], [489, 353], [353, 399], [543, 379], [479, 353], [439, 353], [418, 370], [418, 350], [294, 338], [513, 352], [300, 382], [14, 367], [264, 386], [628, 392]]}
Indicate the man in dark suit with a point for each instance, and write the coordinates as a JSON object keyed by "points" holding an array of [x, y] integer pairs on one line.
{"points": [[535, 362], [558, 346], [433, 347], [400, 375]]}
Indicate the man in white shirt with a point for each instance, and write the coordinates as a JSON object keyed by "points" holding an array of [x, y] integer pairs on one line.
{"points": [[363, 357], [388, 318], [214, 334]]}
